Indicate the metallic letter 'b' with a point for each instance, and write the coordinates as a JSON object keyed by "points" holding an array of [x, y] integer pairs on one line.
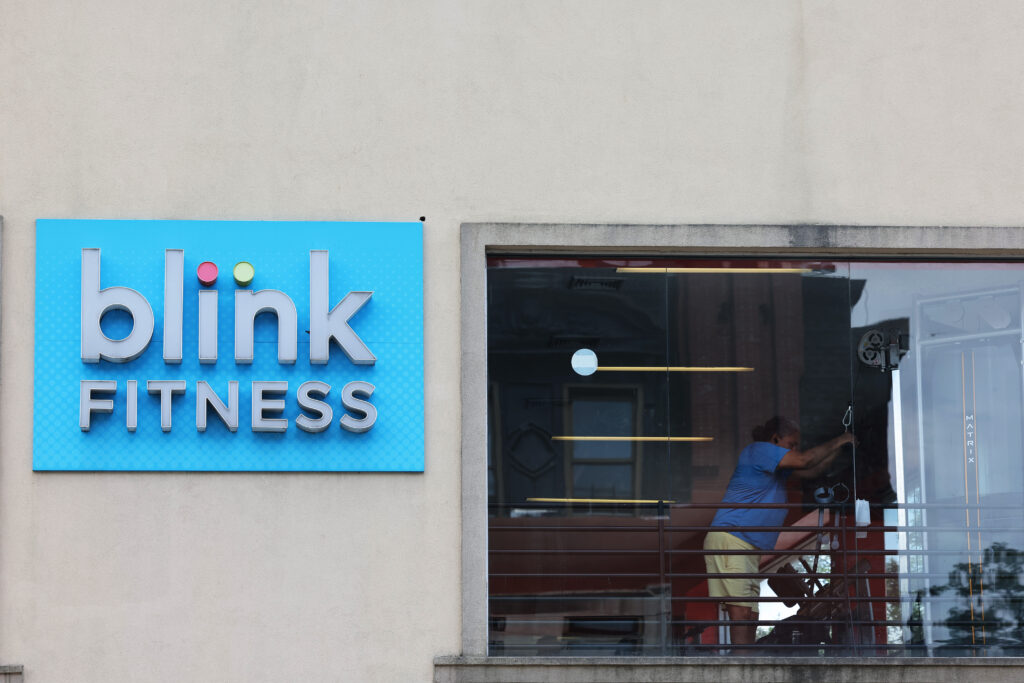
{"points": [[325, 324], [96, 302]]}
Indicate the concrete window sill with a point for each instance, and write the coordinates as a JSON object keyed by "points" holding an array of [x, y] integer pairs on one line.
{"points": [[454, 669]]}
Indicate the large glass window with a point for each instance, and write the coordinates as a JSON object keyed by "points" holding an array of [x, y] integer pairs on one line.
{"points": [[883, 514]]}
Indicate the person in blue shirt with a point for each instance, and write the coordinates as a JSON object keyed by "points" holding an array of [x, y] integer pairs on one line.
{"points": [[760, 478]]}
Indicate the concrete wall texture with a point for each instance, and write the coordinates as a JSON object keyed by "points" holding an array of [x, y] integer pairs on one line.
{"points": [[586, 111]]}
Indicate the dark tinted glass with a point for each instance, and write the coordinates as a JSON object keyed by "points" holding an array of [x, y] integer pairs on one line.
{"points": [[606, 473]]}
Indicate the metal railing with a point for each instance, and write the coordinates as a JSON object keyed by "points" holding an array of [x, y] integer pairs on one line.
{"points": [[583, 579]]}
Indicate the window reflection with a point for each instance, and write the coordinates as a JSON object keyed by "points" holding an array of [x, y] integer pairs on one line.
{"points": [[603, 485]]}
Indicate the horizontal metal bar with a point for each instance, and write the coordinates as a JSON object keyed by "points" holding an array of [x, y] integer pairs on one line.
{"points": [[808, 506], [795, 552], [701, 598], [601, 574], [810, 601], [849, 527], [731, 529], [684, 506], [807, 575], [708, 623], [809, 551], [598, 501], [769, 575], [807, 529], [910, 597], [520, 529], [553, 551], [954, 338], [712, 271], [799, 575]]}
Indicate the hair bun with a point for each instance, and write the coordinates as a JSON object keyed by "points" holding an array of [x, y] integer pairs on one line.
{"points": [[777, 425]]}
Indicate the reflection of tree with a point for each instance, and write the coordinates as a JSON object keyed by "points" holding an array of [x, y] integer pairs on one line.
{"points": [[992, 613], [894, 613], [893, 610]]}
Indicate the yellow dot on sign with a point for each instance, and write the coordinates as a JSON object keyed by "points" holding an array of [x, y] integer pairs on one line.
{"points": [[243, 273]]}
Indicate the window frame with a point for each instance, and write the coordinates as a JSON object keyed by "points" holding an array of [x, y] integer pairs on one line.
{"points": [[478, 241]]}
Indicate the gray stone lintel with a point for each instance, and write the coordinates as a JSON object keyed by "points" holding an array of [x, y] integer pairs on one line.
{"points": [[814, 239]]}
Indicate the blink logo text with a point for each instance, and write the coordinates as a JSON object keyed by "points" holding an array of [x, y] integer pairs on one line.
{"points": [[326, 325]]}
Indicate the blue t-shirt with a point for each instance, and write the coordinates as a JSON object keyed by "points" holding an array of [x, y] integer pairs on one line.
{"points": [[757, 479]]}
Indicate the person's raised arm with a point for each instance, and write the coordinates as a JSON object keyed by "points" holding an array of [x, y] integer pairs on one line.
{"points": [[814, 471], [805, 464]]}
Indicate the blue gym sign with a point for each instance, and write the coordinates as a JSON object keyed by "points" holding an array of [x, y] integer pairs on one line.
{"points": [[228, 346]]}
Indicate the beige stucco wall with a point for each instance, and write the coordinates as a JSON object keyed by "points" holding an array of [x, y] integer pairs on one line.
{"points": [[458, 110]]}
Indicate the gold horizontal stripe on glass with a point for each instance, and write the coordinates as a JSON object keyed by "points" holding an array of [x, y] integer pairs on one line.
{"points": [[670, 368], [713, 270], [594, 500], [632, 438]]}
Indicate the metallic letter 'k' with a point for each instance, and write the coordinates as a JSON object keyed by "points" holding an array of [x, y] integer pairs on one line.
{"points": [[325, 324]]}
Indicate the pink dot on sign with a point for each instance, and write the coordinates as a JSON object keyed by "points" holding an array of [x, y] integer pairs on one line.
{"points": [[207, 272]]}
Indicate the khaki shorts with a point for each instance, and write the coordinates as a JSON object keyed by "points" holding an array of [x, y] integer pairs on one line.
{"points": [[724, 587]]}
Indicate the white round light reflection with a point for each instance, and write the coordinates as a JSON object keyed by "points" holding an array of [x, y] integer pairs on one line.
{"points": [[584, 362]]}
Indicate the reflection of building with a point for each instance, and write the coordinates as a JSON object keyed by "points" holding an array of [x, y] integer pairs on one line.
{"points": [[967, 474]]}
